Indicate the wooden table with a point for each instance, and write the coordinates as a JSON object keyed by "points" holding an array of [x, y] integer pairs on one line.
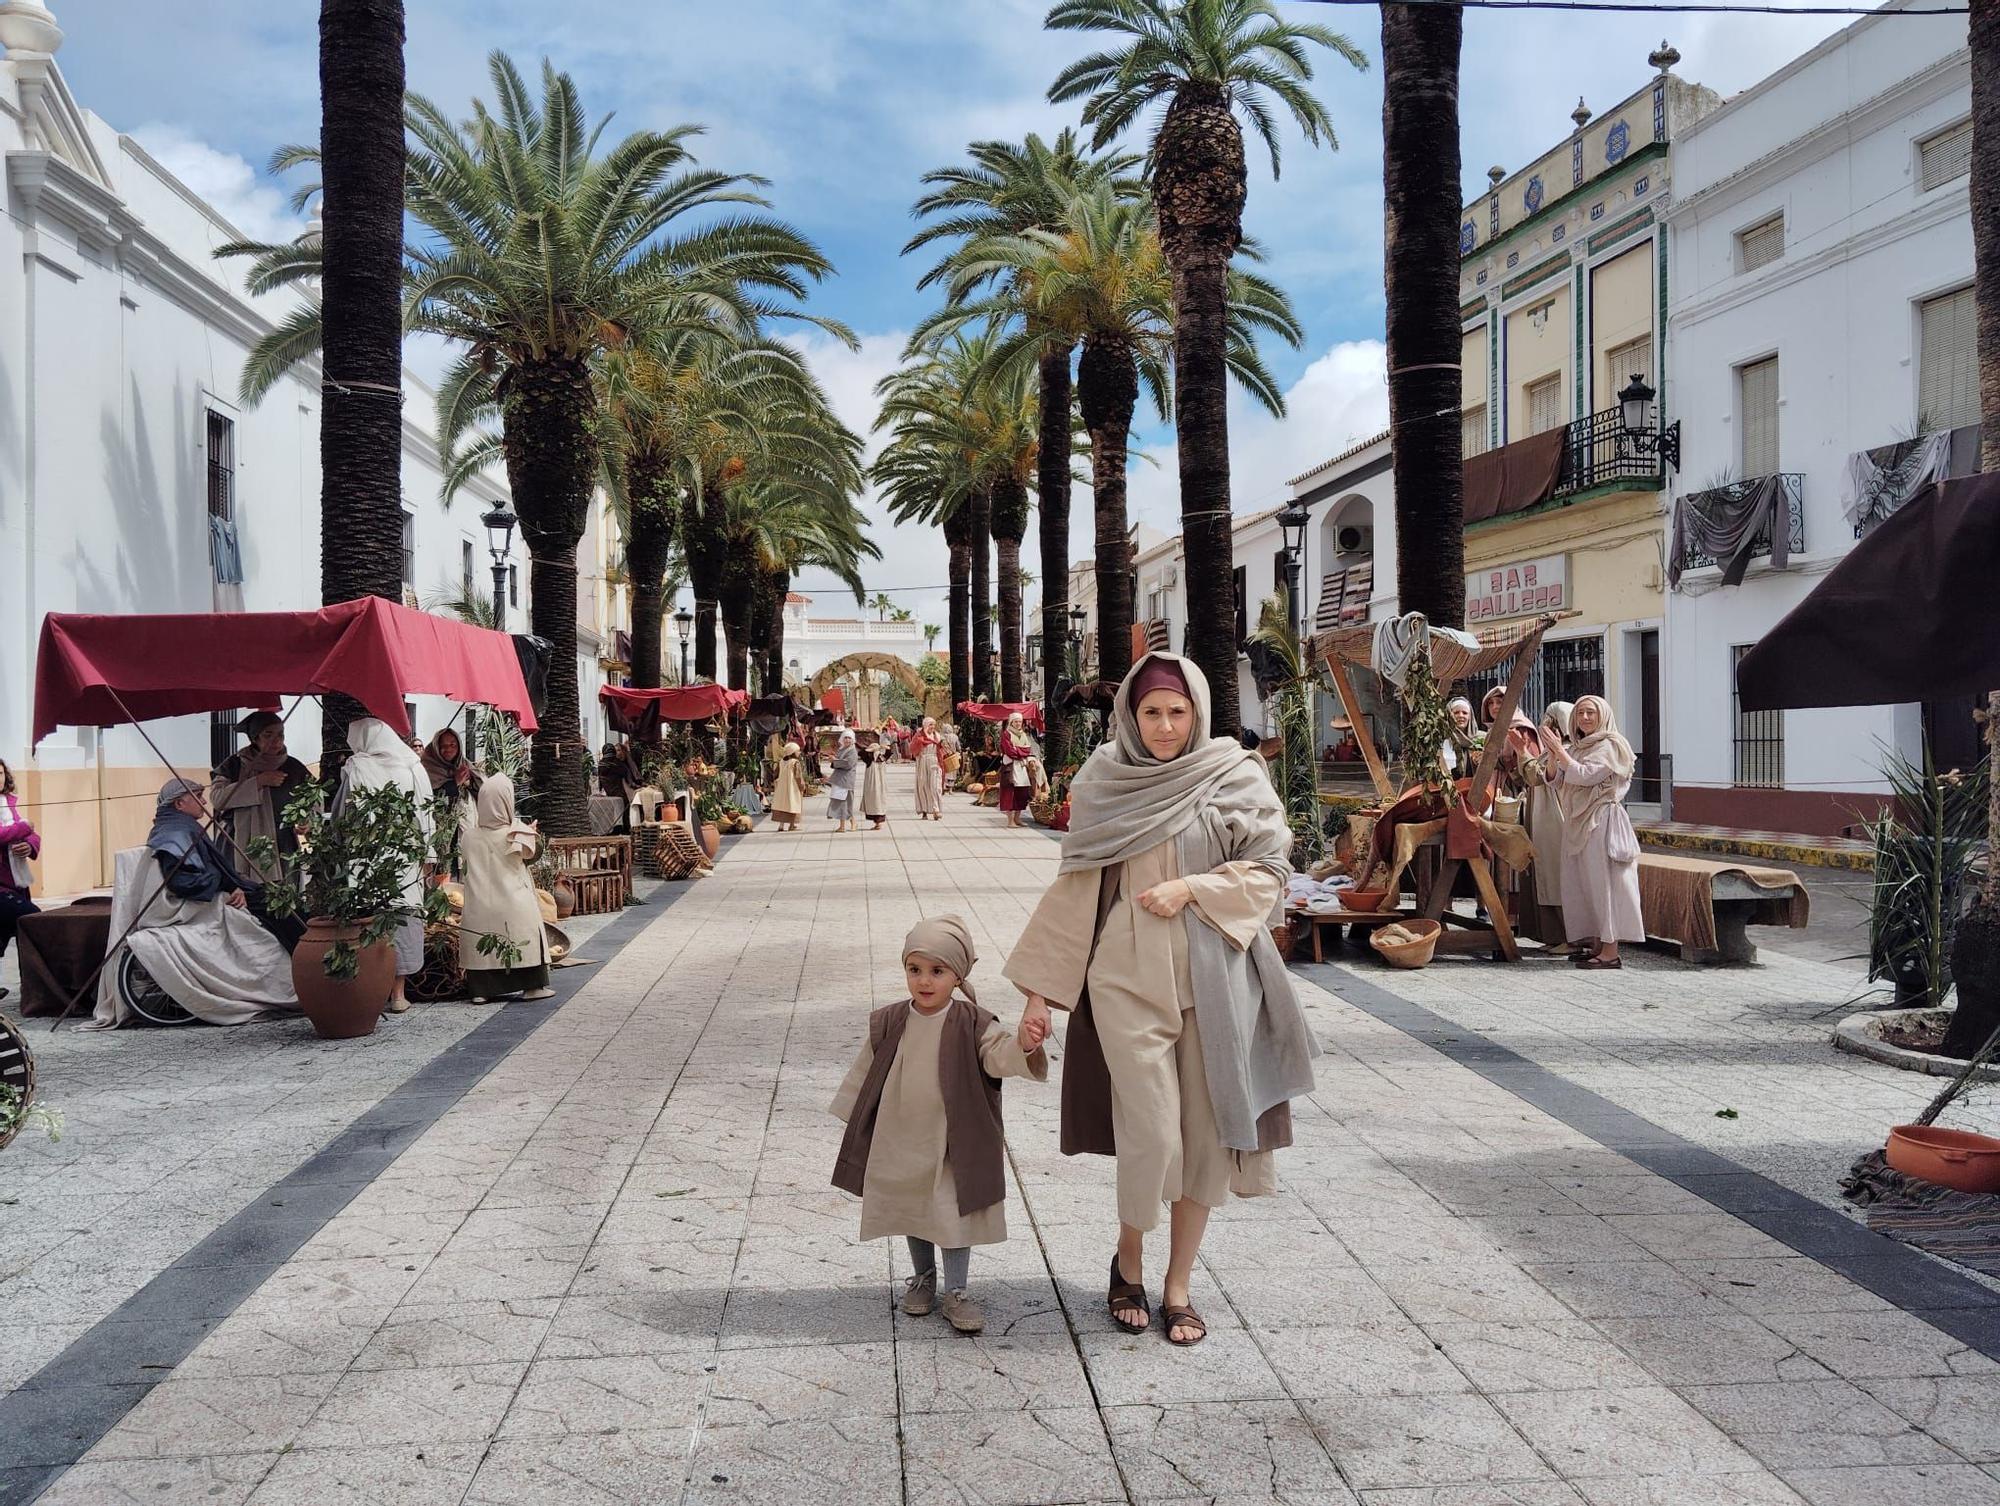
{"points": [[58, 949], [1318, 919]]}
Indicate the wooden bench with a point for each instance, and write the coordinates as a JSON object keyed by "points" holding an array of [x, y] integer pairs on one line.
{"points": [[1705, 908]]}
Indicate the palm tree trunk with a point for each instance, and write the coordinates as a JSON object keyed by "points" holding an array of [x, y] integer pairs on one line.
{"points": [[1420, 165], [1010, 515], [1107, 390], [361, 421], [982, 595], [1200, 185], [706, 551], [547, 411], [958, 639], [735, 600], [1052, 496], [774, 643], [1975, 951], [654, 510]]}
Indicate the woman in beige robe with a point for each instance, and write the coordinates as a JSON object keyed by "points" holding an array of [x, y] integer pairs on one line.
{"points": [[1121, 938], [495, 849], [249, 792], [1541, 890], [927, 749], [1600, 851], [788, 790]]}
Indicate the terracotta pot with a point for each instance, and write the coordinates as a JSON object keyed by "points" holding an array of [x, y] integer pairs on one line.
{"points": [[670, 810], [565, 898], [1958, 1159], [711, 838], [1367, 899], [341, 1008]]}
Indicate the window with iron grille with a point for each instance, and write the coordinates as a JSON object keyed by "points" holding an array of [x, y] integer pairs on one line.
{"points": [[409, 550], [222, 735], [1948, 362], [1545, 409], [513, 585], [221, 467], [1759, 735], [1761, 244], [1945, 157], [1566, 669], [465, 568], [1472, 432], [1757, 403], [1241, 586]]}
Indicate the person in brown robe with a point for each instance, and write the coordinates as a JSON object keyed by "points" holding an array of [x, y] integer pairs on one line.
{"points": [[924, 1149], [1186, 1043]]}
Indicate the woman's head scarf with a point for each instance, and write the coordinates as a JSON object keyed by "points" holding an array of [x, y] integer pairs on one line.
{"points": [[1124, 801], [1466, 738], [945, 939], [1583, 804], [382, 760], [1556, 717], [441, 771]]}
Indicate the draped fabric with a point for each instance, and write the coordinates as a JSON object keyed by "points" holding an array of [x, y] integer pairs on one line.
{"points": [[1726, 524]]}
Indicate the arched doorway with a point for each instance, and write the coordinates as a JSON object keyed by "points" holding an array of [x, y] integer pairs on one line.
{"points": [[935, 699]]}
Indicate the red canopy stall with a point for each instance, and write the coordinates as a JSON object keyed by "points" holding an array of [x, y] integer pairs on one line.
{"points": [[639, 712], [999, 711], [104, 671]]}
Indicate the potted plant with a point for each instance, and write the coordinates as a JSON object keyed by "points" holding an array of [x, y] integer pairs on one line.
{"points": [[709, 809], [347, 882]]}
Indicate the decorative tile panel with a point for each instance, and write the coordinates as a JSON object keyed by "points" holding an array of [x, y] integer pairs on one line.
{"points": [[1576, 162], [1660, 109], [1617, 142], [1596, 212], [1468, 237], [1533, 194], [1557, 233], [1640, 185]]}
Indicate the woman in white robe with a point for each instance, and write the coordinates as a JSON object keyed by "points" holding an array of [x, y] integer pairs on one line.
{"points": [[495, 848], [1600, 851], [380, 760]]}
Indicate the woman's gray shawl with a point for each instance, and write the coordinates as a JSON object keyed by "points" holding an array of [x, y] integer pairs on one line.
{"points": [[1217, 803], [843, 777]]}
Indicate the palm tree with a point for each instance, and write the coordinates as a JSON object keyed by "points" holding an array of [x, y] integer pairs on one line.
{"points": [[1101, 276], [880, 604], [1008, 189], [774, 527], [361, 421], [1203, 59], [537, 255], [1420, 193], [931, 631]]}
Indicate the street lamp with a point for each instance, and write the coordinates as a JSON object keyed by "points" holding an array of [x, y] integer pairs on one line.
{"points": [[1077, 618], [499, 540], [1635, 417], [684, 624], [1293, 523]]}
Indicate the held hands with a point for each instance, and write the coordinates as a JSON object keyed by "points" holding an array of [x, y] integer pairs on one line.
{"points": [[275, 779], [1168, 899], [236, 900], [1034, 1024]]}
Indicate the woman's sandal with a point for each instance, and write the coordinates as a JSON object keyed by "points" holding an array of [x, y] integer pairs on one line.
{"points": [[1600, 964], [1128, 1297], [1172, 1317]]}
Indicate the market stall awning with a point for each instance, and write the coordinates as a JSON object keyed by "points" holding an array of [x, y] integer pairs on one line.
{"points": [[104, 671], [1451, 660], [1911, 613], [636, 711], [999, 711]]}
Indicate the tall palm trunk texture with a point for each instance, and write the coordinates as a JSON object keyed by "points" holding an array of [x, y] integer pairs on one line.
{"points": [[958, 639], [548, 410], [1199, 185], [736, 590], [361, 416], [1420, 167], [1107, 390], [1052, 499], [655, 507], [1975, 951], [982, 594], [1010, 526], [703, 543], [774, 643]]}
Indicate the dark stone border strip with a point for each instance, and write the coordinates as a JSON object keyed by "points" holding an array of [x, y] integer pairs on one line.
{"points": [[58, 1414], [1905, 1277]]}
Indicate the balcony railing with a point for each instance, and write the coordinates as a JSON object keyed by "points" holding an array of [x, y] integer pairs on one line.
{"points": [[1600, 451], [1791, 485]]}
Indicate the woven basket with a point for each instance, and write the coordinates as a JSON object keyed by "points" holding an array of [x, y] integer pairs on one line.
{"points": [[17, 1070], [1403, 951], [441, 977]]}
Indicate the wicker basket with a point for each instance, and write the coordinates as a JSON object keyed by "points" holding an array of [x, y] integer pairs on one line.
{"points": [[441, 977], [598, 871], [17, 1070], [678, 854], [1408, 943]]}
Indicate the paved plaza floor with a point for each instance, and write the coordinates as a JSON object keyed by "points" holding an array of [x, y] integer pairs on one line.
{"points": [[586, 1251]]}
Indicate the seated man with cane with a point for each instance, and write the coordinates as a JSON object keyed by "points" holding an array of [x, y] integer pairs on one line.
{"points": [[196, 867]]}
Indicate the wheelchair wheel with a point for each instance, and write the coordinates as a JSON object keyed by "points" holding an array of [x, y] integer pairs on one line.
{"points": [[144, 997]]}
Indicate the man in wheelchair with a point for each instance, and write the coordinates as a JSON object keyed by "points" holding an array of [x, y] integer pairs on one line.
{"points": [[197, 869]]}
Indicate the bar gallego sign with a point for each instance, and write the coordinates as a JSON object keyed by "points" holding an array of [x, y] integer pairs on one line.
{"points": [[1517, 589]]}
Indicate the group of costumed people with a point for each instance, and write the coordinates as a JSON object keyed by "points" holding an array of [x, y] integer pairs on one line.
{"points": [[1185, 1046], [1571, 771], [201, 841]]}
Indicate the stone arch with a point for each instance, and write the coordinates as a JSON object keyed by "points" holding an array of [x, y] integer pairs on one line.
{"points": [[935, 699]]}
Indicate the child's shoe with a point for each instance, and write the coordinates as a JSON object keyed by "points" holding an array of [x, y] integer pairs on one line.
{"points": [[963, 1313], [920, 1293]]}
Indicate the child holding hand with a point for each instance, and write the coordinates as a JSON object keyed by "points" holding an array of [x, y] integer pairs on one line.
{"points": [[924, 1145]]}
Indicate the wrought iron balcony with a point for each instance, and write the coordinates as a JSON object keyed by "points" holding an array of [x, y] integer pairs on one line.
{"points": [[1601, 450], [1791, 487]]}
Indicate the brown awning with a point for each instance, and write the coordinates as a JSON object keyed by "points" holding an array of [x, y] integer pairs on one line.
{"points": [[1515, 476], [1911, 614]]}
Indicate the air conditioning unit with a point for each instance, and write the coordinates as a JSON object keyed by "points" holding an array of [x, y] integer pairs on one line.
{"points": [[1351, 540]]}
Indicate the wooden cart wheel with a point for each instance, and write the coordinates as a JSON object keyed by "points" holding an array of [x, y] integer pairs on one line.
{"points": [[17, 1070], [144, 996]]}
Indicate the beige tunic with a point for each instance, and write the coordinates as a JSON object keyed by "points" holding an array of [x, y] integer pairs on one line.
{"points": [[1142, 1002], [874, 792], [909, 1188], [930, 782], [1600, 897], [499, 899], [788, 793]]}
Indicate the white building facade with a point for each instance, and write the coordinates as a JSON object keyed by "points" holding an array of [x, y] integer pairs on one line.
{"points": [[1822, 306], [122, 341]]}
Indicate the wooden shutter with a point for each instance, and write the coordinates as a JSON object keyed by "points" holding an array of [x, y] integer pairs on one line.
{"points": [[1762, 244], [1472, 432], [1327, 614], [1948, 362], [1633, 358], [1758, 404], [1354, 601], [1545, 404], [1945, 157]]}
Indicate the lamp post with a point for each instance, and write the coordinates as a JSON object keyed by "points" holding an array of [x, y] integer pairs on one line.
{"points": [[1293, 522], [499, 539], [684, 624], [1635, 418], [1077, 618]]}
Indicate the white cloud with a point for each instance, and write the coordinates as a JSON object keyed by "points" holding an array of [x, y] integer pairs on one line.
{"points": [[225, 181]]}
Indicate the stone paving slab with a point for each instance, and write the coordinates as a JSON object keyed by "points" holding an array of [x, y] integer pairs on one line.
{"points": [[613, 1271]]}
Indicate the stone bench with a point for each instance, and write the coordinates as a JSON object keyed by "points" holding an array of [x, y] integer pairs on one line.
{"points": [[1706, 908]]}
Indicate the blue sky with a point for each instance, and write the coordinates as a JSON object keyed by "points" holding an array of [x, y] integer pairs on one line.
{"points": [[842, 104]]}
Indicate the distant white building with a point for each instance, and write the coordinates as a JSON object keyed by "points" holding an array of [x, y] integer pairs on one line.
{"points": [[121, 437], [813, 642], [1821, 306]]}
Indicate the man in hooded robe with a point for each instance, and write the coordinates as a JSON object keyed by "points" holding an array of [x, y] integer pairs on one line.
{"points": [[251, 788]]}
